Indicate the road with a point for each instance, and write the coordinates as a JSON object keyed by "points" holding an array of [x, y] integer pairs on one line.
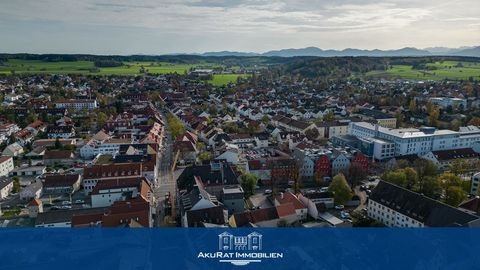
{"points": [[166, 181]]}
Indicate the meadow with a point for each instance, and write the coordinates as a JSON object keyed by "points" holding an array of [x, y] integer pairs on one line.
{"points": [[17, 66], [223, 79], [452, 70]]}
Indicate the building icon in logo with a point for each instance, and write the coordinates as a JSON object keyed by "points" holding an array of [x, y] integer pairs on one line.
{"points": [[229, 242]]}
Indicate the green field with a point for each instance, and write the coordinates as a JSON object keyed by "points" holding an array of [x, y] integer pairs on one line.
{"points": [[442, 70], [88, 68], [128, 69], [223, 79]]}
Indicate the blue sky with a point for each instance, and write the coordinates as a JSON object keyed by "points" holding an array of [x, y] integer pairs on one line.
{"points": [[176, 26]]}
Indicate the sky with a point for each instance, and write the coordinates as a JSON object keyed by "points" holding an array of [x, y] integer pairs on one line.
{"points": [[194, 26]]}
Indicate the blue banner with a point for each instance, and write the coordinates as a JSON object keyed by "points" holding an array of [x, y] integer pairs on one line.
{"points": [[239, 249]]}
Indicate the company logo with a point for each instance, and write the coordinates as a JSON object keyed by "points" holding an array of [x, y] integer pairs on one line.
{"points": [[240, 250]]}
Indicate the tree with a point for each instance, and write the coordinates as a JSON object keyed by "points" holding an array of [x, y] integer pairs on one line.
{"points": [[204, 156], [176, 126], [340, 189], [424, 168], [433, 117], [249, 183], [475, 121], [101, 119], [412, 106], [329, 116], [454, 195], [58, 144], [458, 166], [265, 119], [432, 187], [449, 180], [16, 184], [412, 178], [356, 173], [70, 147], [397, 177], [312, 133]]}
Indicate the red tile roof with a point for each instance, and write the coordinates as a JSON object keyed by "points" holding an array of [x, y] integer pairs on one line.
{"points": [[113, 170], [4, 158], [290, 198]]}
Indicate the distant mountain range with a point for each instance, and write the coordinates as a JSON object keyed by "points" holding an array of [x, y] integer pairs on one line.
{"points": [[314, 51]]}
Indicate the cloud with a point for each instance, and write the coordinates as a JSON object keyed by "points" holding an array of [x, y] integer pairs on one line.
{"points": [[257, 24]]}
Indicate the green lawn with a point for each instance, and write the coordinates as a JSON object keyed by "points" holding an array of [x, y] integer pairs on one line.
{"points": [[88, 67], [223, 79], [37, 66], [11, 213], [444, 70]]}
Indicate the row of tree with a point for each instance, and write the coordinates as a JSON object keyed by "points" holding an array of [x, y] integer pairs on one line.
{"points": [[424, 178]]}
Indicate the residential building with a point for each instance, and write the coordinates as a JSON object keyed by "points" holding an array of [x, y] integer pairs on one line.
{"points": [[396, 206], [34, 207], [63, 132], [29, 171], [13, 150], [59, 184], [102, 143], [6, 165], [32, 191], [378, 117], [443, 159], [290, 198], [233, 199], [56, 157], [328, 129], [77, 104], [445, 102], [92, 175], [6, 187], [265, 217], [213, 176], [474, 186], [198, 206], [63, 218], [107, 192]]}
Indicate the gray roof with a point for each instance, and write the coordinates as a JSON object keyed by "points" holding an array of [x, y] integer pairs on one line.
{"points": [[419, 207], [58, 216], [4, 181]]}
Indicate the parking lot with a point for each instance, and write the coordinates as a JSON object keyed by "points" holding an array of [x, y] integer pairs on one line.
{"points": [[62, 201]]}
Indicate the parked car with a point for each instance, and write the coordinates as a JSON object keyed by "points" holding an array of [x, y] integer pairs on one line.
{"points": [[267, 191], [344, 214], [339, 207], [79, 201], [66, 203]]}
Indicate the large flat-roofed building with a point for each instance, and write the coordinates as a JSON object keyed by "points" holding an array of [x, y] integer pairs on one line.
{"points": [[415, 141]]}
